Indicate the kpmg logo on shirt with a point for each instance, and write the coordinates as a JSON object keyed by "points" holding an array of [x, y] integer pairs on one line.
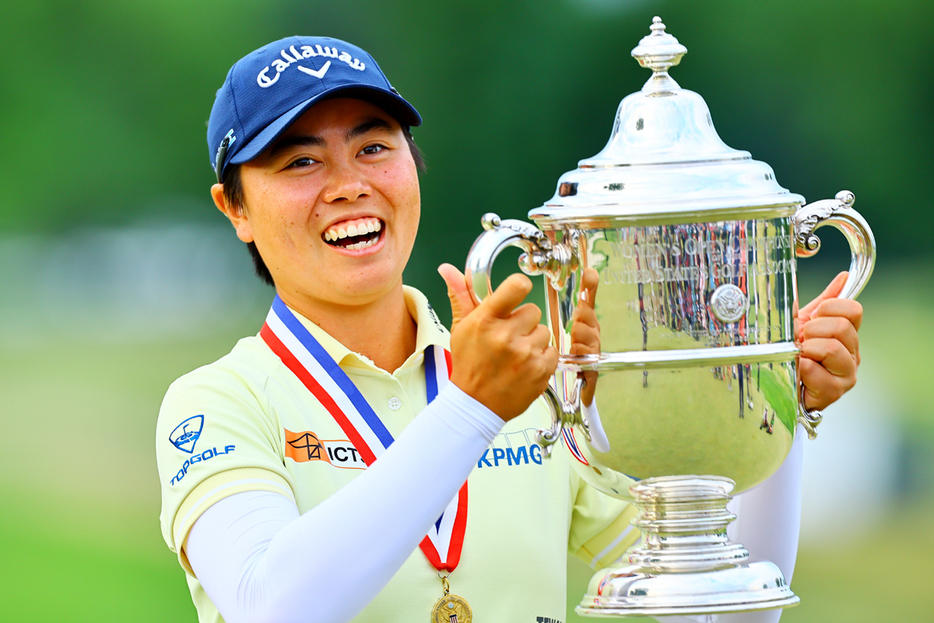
{"points": [[186, 434], [306, 446], [509, 449]]}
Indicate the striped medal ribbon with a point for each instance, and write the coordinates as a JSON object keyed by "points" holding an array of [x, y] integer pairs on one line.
{"points": [[571, 443], [319, 373]]}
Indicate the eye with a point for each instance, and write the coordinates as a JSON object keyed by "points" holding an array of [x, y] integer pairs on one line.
{"points": [[304, 161], [371, 150]]}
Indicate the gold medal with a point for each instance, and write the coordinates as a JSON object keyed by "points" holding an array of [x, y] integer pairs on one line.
{"points": [[450, 608]]}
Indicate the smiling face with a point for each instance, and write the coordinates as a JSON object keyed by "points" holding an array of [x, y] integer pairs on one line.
{"points": [[333, 206]]}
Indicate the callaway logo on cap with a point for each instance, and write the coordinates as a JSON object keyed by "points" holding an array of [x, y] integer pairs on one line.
{"points": [[269, 88]]}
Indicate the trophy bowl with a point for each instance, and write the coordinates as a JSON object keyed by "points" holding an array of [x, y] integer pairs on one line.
{"points": [[696, 247]]}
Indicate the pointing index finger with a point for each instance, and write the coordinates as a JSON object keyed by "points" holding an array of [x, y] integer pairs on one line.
{"points": [[508, 295]]}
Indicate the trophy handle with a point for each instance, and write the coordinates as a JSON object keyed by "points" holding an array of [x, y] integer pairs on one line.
{"points": [[542, 256], [838, 212], [564, 414]]}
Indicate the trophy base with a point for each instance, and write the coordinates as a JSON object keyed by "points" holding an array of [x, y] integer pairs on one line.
{"points": [[635, 591], [685, 564]]}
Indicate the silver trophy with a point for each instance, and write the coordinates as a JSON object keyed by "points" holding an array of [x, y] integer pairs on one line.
{"points": [[699, 397]]}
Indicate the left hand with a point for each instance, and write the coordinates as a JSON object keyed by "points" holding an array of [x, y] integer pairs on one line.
{"points": [[827, 334], [500, 354], [585, 330]]}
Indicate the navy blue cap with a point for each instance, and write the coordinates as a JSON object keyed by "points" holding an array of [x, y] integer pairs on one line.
{"points": [[269, 88]]}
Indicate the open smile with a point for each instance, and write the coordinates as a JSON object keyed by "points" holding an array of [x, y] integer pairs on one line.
{"points": [[355, 234]]}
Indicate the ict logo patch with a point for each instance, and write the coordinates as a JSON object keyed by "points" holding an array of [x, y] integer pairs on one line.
{"points": [[186, 434], [304, 447]]}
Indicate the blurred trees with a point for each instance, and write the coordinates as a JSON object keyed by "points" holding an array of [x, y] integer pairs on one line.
{"points": [[103, 103]]}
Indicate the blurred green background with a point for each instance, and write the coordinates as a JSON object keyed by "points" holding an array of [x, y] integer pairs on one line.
{"points": [[120, 275]]}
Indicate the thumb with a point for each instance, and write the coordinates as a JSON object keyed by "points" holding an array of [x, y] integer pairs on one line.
{"points": [[831, 291], [461, 301]]}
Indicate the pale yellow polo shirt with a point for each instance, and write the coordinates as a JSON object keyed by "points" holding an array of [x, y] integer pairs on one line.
{"points": [[246, 423]]}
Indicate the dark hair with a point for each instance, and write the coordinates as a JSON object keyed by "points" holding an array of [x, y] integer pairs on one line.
{"points": [[233, 195]]}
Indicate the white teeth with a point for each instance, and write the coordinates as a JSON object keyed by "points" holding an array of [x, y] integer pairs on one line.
{"points": [[359, 227], [361, 245]]}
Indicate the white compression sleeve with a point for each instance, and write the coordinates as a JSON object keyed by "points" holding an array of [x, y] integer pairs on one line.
{"points": [[258, 560], [768, 521]]}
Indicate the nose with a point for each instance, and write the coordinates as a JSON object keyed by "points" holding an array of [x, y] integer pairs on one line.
{"points": [[346, 183]]}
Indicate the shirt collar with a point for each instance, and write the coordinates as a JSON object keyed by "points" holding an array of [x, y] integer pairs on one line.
{"points": [[430, 333]]}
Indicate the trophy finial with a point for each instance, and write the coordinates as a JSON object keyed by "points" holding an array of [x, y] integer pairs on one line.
{"points": [[659, 50]]}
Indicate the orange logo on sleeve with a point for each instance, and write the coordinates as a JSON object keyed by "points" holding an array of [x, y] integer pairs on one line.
{"points": [[306, 446], [303, 447]]}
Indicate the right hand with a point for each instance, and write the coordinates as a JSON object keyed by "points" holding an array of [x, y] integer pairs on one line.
{"points": [[827, 332], [501, 355]]}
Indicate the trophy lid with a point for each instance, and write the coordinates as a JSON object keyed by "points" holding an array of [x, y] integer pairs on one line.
{"points": [[664, 161]]}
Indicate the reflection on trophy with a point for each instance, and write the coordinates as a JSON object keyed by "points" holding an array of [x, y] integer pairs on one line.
{"points": [[696, 246]]}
